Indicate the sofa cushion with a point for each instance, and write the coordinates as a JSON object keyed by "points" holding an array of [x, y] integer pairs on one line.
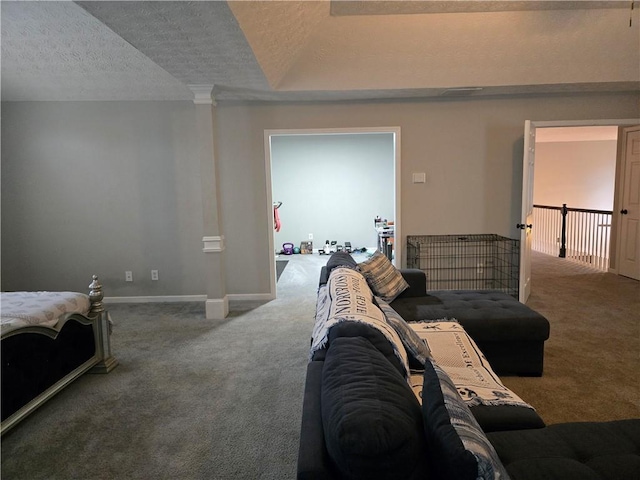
{"points": [[572, 451], [383, 278], [486, 315], [375, 338], [372, 420], [458, 448]]}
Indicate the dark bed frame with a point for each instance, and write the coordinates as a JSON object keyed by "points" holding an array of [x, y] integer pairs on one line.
{"points": [[39, 361]]}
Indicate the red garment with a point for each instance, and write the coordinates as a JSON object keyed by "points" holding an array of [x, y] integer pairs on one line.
{"points": [[276, 219]]}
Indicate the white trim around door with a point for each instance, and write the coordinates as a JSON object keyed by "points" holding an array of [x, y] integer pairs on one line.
{"points": [[332, 131], [531, 126]]}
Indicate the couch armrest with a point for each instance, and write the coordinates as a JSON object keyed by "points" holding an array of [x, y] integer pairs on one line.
{"points": [[313, 459], [324, 276], [417, 281], [415, 277]]}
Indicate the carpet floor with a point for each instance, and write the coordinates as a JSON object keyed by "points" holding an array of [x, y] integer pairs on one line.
{"points": [[195, 398]]}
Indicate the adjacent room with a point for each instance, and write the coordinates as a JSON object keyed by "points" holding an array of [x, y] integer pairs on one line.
{"points": [[332, 187], [164, 162]]}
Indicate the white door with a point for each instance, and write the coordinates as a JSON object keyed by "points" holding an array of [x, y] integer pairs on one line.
{"points": [[629, 254], [526, 218]]}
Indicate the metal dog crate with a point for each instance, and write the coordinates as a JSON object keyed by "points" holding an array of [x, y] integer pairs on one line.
{"points": [[466, 262]]}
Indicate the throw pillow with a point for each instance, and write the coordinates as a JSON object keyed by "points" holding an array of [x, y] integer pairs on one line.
{"points": [[371, 419], [415, 346], [457, 446], [383, 278]]}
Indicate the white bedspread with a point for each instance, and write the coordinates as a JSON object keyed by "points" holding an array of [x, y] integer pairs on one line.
{"points": [[19, 309]]}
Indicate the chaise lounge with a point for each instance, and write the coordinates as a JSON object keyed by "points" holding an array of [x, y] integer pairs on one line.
{"points": [[510, 334]]}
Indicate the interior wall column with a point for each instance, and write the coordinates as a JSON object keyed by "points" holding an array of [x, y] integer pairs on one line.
{"points": [[217, 304]]}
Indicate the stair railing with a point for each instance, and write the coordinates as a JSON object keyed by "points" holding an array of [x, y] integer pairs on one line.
{"points": [[577, 234]]}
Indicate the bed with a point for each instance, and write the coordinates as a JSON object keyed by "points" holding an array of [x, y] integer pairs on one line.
{"points": [[48, 339]]}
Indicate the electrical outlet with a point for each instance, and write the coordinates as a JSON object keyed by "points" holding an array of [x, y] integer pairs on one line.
{"points": [[311, 236], [154, 274], [128, 276]]}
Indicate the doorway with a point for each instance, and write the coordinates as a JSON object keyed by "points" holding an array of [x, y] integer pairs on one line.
{"points": [[531, 129], [328, 182]]}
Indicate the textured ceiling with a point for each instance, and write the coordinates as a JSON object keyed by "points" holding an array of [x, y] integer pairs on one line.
{"points": [[315, 50], [57, 51]]}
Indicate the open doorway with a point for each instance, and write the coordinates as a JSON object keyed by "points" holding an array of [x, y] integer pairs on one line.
{"points": [[329, 186], [529, 160], [576, 166], [574, 193]]}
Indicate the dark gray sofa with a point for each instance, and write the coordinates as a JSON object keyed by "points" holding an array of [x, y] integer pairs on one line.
{"points": [[577, 450], [527, 449], [347, 430], [510, 334]]}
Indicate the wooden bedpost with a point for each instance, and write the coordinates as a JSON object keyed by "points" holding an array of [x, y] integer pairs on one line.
{"points": [[103, 332]]}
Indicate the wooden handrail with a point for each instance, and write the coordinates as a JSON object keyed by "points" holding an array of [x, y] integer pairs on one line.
{"points": [[585, 210]]}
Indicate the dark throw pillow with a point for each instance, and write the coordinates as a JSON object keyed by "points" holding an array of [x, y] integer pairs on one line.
{"points": [[372, 420], [458, 448]]}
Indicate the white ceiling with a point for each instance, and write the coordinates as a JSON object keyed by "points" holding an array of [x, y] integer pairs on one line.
{"points": [[315, 50]]}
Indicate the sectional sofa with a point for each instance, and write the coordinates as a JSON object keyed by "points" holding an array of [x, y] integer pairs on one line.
{"points": [[510, 334], [362, 420]]}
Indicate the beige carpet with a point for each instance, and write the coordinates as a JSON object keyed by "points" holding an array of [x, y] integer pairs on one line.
{"points": [[592, 358], [194, 398]]}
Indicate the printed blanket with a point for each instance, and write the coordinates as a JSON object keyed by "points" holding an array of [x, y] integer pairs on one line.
{"points": [[347, 298], [458, 355]]}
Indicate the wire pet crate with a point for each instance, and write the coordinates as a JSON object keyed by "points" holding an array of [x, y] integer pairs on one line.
{"points": [[466, 262]]}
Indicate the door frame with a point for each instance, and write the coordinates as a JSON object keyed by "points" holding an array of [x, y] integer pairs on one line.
{"points": [[619, 189], [531, 126], [332, 131]]}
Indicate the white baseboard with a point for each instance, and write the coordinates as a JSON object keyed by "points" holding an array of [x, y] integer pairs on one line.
{"points": [[157, 299], [250, 297], [216, 308]]}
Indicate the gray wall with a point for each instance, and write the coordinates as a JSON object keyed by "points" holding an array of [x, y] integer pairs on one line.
{"points": [[580, 174], [107, 187], [101, 187], [332, 186], [470, 150]]}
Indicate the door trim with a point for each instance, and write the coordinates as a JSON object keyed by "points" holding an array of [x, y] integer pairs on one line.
{"points": [[624, 122], [332, 131]]}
